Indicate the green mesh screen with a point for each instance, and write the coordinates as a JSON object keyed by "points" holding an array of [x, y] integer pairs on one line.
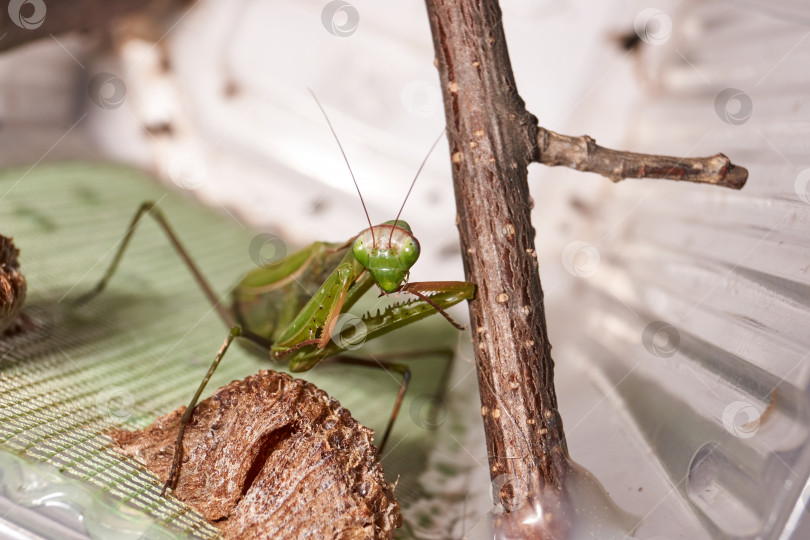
{"points": [[139, 349]]}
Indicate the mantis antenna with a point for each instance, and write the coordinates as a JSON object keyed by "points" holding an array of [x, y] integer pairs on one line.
{"points": [[371, 227], [414, 180]]}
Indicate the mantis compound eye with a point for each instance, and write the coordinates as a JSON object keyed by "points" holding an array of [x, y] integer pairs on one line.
{"points": [[409, 253], [359, 250]]}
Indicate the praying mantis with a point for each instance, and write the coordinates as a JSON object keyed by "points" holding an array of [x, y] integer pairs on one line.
{"points": [[274, 307]]}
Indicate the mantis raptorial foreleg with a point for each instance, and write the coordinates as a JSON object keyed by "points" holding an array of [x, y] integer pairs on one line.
{"points": [[419, 288]]}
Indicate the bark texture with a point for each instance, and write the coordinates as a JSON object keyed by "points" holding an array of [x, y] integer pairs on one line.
{"points": [[273, 457], [492, 140]]}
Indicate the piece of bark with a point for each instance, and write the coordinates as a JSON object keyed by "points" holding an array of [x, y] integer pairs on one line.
{"points": [[273, 457], [12, 287]]}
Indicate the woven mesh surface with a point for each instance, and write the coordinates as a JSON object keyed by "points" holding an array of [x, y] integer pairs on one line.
{"points": [[139, 349]]}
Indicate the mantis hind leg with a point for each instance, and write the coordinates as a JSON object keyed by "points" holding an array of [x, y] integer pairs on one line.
{"points": [[235, 332], [150, 208], [381, 361]]}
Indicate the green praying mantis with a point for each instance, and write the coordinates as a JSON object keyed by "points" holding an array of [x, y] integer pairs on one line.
{"points": [[273, 306]]}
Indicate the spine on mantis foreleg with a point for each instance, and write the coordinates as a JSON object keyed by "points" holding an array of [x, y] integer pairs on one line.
{"points": [[445, 295]]}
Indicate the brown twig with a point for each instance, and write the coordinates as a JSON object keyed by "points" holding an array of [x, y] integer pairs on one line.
{"points": [[582, 153], [493, 138]]}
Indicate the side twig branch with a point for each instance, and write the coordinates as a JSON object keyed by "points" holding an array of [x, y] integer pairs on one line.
{"points": [[582, 153]]}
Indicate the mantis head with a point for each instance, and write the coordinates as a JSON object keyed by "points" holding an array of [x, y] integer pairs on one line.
{"points": [[387, 251]]}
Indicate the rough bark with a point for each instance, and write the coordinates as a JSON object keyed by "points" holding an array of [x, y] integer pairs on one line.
{"points": [[492, 140], [273, 457]]}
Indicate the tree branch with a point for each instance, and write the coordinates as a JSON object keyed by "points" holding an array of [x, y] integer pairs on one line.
{"points": [[493, 138], [492, 141], [582, 153]]}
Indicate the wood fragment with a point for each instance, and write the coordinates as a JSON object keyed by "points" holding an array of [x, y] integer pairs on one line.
{"points": [[271, 456]]}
